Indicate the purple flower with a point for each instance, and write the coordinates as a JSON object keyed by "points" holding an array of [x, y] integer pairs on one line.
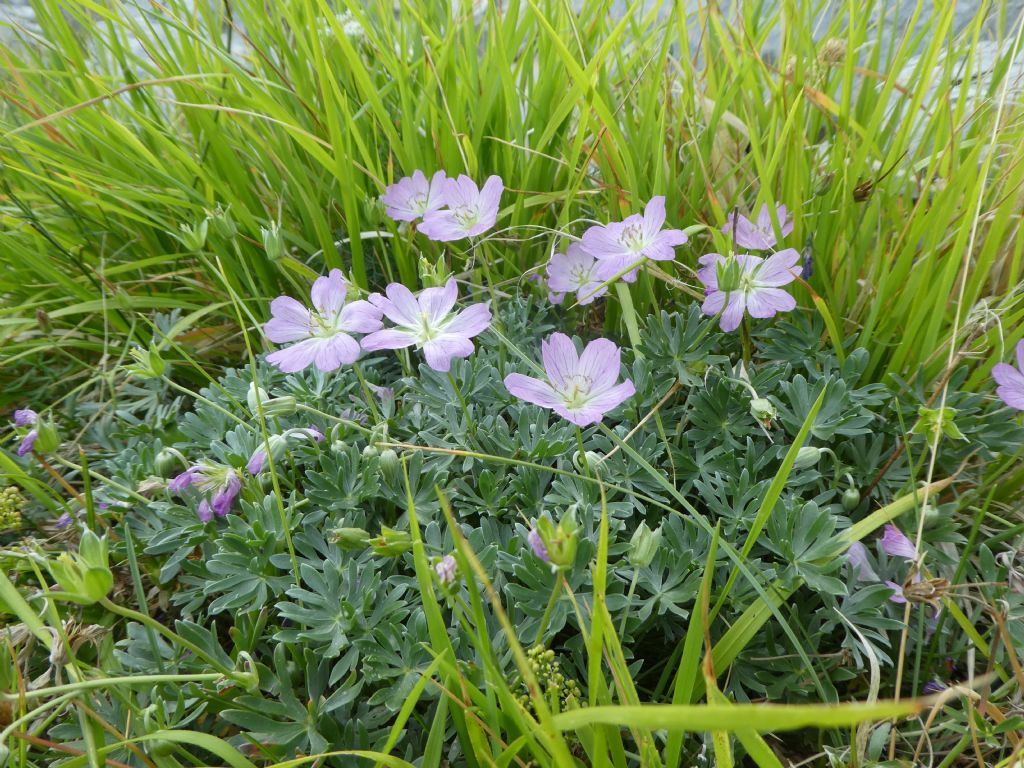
{"points": [[321, 335], [933, 686], [537, 545], [446, 569], [25, 417], [574, 271], [257, 461], [895, 544], [426, 321], [315, 433], [28, 442], [413, 196], [219, 485], [857, 557], [1011, 380], [623, 244], [761, 235], [470, 212], [746, 283], [580, 388]]}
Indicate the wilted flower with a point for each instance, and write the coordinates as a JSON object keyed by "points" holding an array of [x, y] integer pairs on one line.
{"points": [[413, 196], [746, 283], [28, 442], [278, 443], [219, 485], [1011, 380], [580, 388], [426, 321], [446, 568], [896, 544], [537, 545], [760, 235], [25, 417], [470, 212], [623, 244], [574, 271], [322, 335], [857, 557]]}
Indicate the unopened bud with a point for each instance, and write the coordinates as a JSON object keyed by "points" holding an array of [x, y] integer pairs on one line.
{"points": [[643, 545], [850, 500], [807, 457], [193, 238], [48, 439], [350, 538], [391, 543], [273, 242], [762, 409], [222, 221], [169, 462]]}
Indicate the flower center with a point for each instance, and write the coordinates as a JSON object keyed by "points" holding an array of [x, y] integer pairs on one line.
{"points": [[579, 274], [633, 238], [467, 216], [419, 203], [576, 390], [426, 330]]}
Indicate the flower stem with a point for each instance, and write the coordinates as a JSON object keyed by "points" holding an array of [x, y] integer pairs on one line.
{"points": [[462, 400], [629, 317], [366, 392], [629, 601], [583, 454], [555, 591], [747, 343]]}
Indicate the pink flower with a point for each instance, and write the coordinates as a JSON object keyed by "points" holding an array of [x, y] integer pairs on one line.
{"points": [[537, 545], [28, 442], [896, 544], [746, 283], [410, 198], [579, 388], [219, 485], [857, 557], [574, 271], [321, 336], [426, 322], [446, 568], [759, 236], [1011, 380], [25, 417], [470, 212], [623, 244]]}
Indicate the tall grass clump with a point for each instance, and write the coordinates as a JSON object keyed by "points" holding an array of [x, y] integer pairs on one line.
{"points": [[543, 473]]}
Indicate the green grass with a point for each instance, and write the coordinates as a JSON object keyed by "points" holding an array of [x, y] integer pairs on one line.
{"points": [[108, 148], [907, 196]]}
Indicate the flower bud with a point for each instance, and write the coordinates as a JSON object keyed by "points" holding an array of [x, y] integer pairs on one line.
{"points": [[193, 238], [850, 499], [48, 439], [643, 545], [432, 275], [931, 515], [350, 538], [729, 274], [560, 542], [223, 223], [169, 462], [762, 409], [273, 242], [833, 51], [593, 459], [807, 457], [255, 397], [391, 543], [446, 568], [280, 406], [148, 363], [389, 463], [370, 451]]}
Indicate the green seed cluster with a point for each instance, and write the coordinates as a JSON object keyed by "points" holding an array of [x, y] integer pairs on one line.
{"points": [[562, 693], [11, 502]]}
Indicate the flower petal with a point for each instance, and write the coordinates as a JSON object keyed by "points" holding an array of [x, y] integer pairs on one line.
{"points": [[857, 557], [896, 544], [560, 358], [654, 216], [600, 362], [335, 351], [436, 303], [765, 302], [389, 338], [733, 314], [611, 399], [532, 390], [296, 357], [328, 294], [360, 317], [472, 321], [290, 321], [779, 268], [438, 352], [401, 307]]}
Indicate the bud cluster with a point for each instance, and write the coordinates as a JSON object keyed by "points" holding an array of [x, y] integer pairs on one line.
{"points": [[561, 693]]}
